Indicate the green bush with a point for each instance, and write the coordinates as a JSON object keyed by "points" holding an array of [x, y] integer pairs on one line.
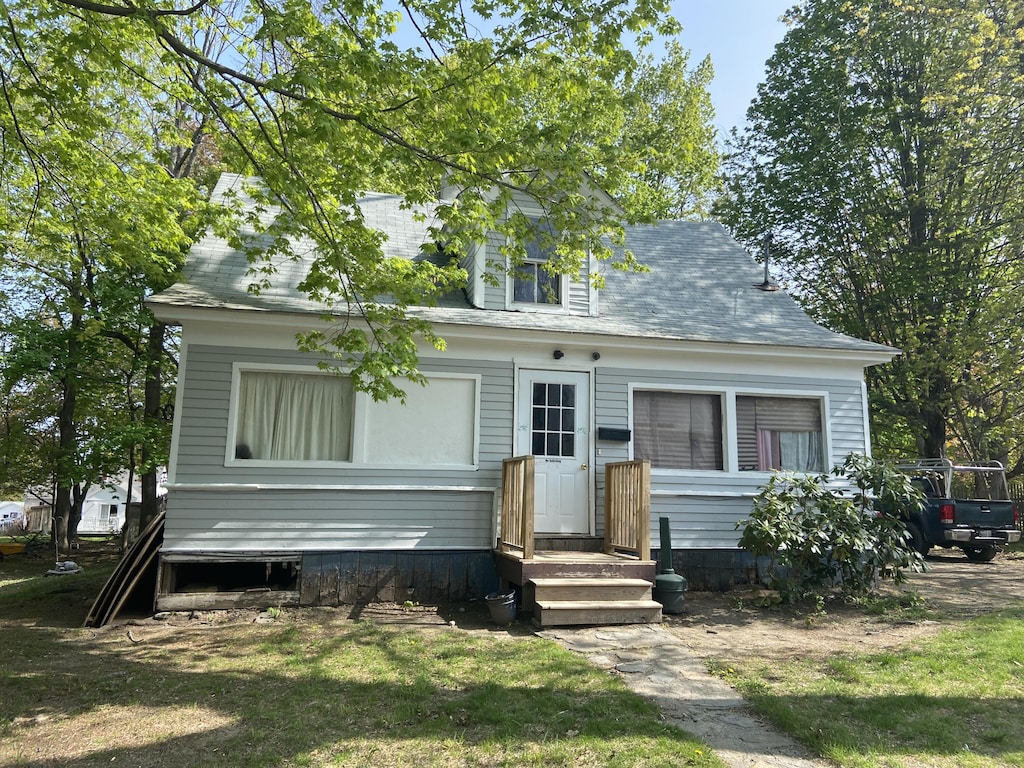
{"points": [[844, 530]]}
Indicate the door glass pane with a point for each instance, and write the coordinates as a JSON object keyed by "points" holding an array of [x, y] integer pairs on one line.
{"points": [[568, 420], [554, 420], [569, 396], [538, 418]]}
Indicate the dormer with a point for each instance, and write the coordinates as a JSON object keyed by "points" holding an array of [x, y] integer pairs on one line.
{"points": [[496, 283]]}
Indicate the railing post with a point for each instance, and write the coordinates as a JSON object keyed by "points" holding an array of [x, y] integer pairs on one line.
{"points": [[643, 521], [527, 508]]}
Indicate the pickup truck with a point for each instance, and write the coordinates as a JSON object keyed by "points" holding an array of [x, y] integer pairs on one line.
{"points": [[965, 505]]}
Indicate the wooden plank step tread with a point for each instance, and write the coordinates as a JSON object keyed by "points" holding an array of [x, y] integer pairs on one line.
{"points": [[591, 582], [584, 605]]}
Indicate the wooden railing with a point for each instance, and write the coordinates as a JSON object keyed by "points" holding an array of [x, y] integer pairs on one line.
{"points": [[517, 507], [627, 508]]}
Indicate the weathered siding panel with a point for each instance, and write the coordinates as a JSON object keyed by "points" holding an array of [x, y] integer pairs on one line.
{"points": [[357, 578]]}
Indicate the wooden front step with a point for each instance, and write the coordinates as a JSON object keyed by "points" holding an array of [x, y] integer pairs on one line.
{"points": [[564, 613], [568, 601], [590, 589]]}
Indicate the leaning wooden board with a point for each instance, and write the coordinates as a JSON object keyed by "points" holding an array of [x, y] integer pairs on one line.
{"points": [[126, 575]]}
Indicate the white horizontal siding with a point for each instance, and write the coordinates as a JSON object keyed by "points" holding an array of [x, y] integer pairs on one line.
{"points": [[579, 293]]}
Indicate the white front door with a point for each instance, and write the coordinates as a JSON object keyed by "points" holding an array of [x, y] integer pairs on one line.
{"points": [[553, 424]]}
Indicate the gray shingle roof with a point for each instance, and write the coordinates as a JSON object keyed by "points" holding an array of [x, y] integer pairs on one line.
{"points": [[701, 287]]}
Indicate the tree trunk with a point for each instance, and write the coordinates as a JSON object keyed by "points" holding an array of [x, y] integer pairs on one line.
{"points": [[933, 440], [66, 444]]}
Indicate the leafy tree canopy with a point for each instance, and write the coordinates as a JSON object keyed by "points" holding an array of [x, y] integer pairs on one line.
{"points": [[882, 154], [326, 100]]}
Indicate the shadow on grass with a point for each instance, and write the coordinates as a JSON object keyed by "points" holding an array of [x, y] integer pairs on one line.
{"points": [[311, 694]]}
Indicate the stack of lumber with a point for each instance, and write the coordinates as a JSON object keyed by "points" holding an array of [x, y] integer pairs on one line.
{"points": [[128, 575]]}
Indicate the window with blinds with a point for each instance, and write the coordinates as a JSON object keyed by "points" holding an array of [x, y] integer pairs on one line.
{"points": [[678, 430], [779, 433]]}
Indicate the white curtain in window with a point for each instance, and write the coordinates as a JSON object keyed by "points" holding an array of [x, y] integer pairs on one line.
{"points": [[779, 433], [294, 417], [800, 451]]}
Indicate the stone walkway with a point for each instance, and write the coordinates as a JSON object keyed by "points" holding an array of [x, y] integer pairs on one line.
{"points": [[657, 665]]}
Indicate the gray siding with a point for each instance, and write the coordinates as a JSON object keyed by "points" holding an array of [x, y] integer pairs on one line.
{"points": [[470, 263], [579, 293], [703, 508], [309, 521], [332, 519]]}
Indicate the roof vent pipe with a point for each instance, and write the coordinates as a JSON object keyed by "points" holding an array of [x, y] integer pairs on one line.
{"points": [[767, 285]]}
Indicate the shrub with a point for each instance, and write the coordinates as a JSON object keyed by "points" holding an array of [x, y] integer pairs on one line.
{"points": [[842, 530]]}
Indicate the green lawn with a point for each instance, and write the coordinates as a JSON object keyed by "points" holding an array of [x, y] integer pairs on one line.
{"points": [[954, 700], [311, 688]]}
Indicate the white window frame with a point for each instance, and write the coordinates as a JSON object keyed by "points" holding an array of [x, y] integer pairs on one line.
{"points": [[359, 434], [800, 394], [531, 306], [730, 449], [682, 390]]}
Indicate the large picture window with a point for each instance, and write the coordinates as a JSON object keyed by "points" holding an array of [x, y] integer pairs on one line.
{"points": [[678, 430], [435, 426], [779, 433], [287, 416]]}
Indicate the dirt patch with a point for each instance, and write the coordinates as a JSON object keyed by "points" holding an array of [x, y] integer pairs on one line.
{"points": [[733, 626]]}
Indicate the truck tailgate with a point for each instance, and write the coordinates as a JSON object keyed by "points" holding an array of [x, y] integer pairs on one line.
{"points": [[984, 513]]}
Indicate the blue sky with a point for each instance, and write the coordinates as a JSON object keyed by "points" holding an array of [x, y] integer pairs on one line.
{"points": [[739, 35]]}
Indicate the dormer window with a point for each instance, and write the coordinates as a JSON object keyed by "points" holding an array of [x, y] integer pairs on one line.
{"points": [[531, 285], [535, 285]]}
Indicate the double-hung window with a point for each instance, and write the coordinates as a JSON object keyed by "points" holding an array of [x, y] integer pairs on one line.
{"points": [[532, 283], [779, 433], [678, 430]]}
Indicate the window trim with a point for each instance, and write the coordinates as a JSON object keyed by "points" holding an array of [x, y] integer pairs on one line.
{"points": [[562, 307], [730, 432], [360, 420]]}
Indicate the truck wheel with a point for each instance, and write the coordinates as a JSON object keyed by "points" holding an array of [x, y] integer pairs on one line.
{"points": [[980, 554], [917, 540]]}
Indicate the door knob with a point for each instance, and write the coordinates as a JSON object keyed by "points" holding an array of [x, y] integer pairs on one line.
{"points": [[583, 466]]}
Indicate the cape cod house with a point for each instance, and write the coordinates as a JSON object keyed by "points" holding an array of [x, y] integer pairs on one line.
{"points": [[284, 479]]}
